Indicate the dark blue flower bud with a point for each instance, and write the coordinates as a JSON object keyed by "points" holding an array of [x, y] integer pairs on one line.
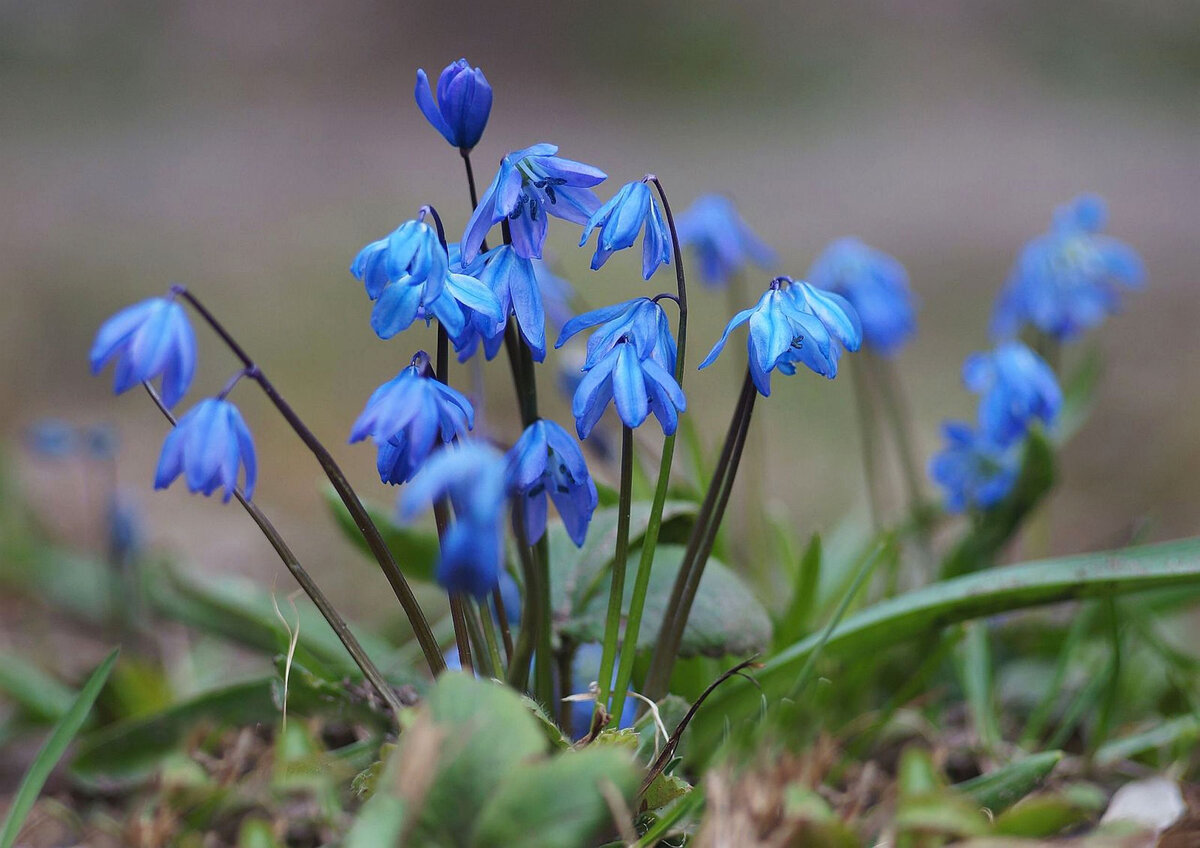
{"points": [[464, 101]]}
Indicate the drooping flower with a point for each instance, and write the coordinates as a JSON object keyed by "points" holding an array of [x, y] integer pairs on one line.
{"points": [[547, 463], [621, 219], [1016, 386], [1069, 279], [630, 361], [973, 469], [464, 101], [408, 415], [472, 476], [530, 184], [208, 445], [876, 286], [408, 276], [723, 242], [794, 323], [148, 339]]}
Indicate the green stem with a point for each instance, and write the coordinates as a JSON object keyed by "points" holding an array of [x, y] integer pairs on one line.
{"points": [[490, 639], [616, 593], [342, 630], [518, 666], [502, 617], [870, 441], [370, 533], [708, 521], [484, 658]]}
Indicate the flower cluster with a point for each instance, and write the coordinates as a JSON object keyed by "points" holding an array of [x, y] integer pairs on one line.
{"points": [[1069, 279]]}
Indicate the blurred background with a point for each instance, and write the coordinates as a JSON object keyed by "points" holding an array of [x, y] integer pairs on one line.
{"points": [[249, 149]]}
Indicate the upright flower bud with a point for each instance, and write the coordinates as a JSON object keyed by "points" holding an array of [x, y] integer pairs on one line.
{"points": [[464, 101]]}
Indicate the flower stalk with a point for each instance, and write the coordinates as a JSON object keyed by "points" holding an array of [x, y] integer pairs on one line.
{"points": [[616, 592]]}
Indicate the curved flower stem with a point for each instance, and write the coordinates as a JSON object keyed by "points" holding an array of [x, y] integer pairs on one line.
{"points": [[641, 585], [699, 546], [465, 152], [616, 593], [370, 533], [342, 630]]}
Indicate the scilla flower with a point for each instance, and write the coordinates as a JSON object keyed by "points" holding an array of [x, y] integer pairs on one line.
{"points": [[630, 361], [530, 184], [472, 476], [1016, 386], [148, 339], [621, 219], [547, 463], [408, 415], [794, 323], [464, 101], [723, 242], [973, 469], [208, 446], [876, 286], [1069, 279], [408, 276]]}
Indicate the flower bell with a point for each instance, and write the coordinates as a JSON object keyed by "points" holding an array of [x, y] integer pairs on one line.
{"points": [[462, 106], [208, 445], [148, 339], [876, 286]]}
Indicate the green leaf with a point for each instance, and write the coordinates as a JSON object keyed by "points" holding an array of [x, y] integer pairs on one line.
{"points": [[38, 694], [928, 610], [415, 551], [556, 803], [974, 664], [997, 525], [797, 618], [576, 573], [1049, 814], [53, 750], [726, 618], [1003, 787], [1179, 733]]}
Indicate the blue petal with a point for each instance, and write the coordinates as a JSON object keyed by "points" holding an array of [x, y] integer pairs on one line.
{"points": [[396, 309], [430, 109], [629, 388], [737, 320]]}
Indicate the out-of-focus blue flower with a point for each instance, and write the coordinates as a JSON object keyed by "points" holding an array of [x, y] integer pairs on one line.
{"points": [[208, 445], [408, 276], [585, 668], [547, 462], [100, 442], [124, 528], [1016, 386], [472, 476], [408, 415], [464, 101], [510, 593], [973, 469], [53, 438], [794, 323], [630, 361], [1069, 279], [148, 339], [876, 286], [724, 243], [621, 219], [531, 183], [556, 295]]}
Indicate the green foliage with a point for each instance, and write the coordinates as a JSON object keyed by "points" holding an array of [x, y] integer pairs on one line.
{"points": [[415, 551]]}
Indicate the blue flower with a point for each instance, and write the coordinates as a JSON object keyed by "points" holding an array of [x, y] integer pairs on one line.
{"points": [[472, 476], [125, 533], [876, 286], [408, 276], [724, 242], [1016, 386], [794, 323], [53, 438], [631, 361], [531, 183], [464, 101], [974, 470], [621, 219], [1069, 279], [546, 461], [148, 339], [209, 443], [408, 415]]}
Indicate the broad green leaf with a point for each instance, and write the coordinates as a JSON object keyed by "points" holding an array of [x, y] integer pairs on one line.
{"points": [[40, 696], [415, 551], [576, 574], [726, 618], [53, 750], [996, 526], [1000, 789], [556, 803], [928, 610]]}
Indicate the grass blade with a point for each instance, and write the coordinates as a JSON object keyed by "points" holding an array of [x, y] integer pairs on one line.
{"points": [[53, 750]]}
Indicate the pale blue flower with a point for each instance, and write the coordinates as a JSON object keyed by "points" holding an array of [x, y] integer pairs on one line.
{"points": [[547, 464], [1016, 386], [148, 339], [876, 286], [973, 469], [209, 445], [724, 243], [621, 219]]}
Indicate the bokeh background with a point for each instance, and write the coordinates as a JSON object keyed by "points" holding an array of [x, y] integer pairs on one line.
{"points": [[250, 149]]}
